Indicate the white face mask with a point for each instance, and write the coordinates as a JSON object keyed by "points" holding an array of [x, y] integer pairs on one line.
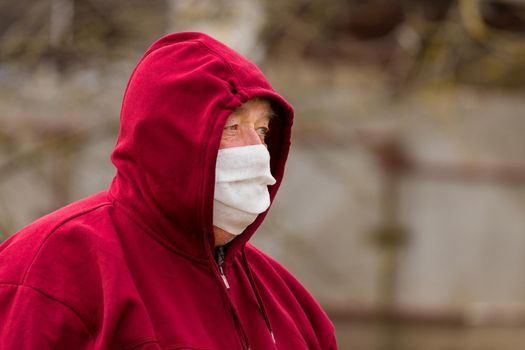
{"points": [[242, 177]]}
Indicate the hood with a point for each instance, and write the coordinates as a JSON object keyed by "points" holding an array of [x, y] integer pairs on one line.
{"points": [[173, 112]]}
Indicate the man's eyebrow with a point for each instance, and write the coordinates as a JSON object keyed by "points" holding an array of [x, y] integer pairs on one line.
{"points": [[271, 114]]}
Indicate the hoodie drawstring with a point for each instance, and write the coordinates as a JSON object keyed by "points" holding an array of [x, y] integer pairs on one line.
{"points": [[257, 295]]}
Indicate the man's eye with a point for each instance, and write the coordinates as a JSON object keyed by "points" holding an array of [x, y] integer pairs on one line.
{"points": [[263, 131], [231, 127]]}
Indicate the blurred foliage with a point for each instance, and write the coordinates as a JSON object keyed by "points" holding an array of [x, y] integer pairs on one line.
{"points": [[97, 30], [468, 41]]}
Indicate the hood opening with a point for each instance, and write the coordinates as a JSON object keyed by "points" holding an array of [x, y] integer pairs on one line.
{"points": [[173, 111]]}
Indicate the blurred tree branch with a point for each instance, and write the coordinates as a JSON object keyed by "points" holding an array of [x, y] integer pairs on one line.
{"points": [[69, 32], [412, 40]]}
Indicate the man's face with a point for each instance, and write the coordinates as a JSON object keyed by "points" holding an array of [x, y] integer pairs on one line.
{"points": [[246, 126]]}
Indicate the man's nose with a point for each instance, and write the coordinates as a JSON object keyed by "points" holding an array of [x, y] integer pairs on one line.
{"points": [[251, 137]]}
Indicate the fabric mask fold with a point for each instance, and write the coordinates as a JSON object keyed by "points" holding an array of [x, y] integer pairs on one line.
{"points": [[242, 177]]}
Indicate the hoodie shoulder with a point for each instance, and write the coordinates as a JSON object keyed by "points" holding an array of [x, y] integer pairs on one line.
{"points": [[58, 252], [21, 248]]}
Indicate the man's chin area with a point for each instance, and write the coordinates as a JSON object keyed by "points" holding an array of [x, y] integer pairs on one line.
{"points": [[222, 237]]}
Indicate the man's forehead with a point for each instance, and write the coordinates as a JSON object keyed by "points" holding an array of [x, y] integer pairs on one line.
{"points": [[258, 106]]}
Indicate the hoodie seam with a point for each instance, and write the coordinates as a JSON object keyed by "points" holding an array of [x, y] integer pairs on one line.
{"points": [[225, 62], [206, 46], [52, 231], [205, 151], [47, 296], [23, 281], [202, 197]]}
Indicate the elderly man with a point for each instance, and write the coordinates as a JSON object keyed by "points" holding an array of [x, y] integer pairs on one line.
{"points": [[161, 260]]}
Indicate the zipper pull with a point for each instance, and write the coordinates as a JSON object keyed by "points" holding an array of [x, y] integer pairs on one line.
{"points": [[220, 261], [224, 277]]}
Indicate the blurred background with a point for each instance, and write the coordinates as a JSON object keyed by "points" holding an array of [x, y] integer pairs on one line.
{"points": [[403, 209]]}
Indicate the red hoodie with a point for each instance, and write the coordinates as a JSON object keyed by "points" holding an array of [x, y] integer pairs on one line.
{"points": [[134, 267]]}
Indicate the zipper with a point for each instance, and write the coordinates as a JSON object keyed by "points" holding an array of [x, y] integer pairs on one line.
{"points": [[220, 262]]}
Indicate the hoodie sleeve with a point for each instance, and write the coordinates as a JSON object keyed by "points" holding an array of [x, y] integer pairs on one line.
{"points": [[32, 320]]}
